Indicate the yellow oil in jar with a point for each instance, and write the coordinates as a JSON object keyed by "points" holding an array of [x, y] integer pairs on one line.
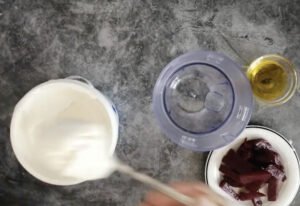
{"points": [[269, 80]]}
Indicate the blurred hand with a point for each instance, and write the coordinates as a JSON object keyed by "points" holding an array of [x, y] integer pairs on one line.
{"points": [[197, 190]]}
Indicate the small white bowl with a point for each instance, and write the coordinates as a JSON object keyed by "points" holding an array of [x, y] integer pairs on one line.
{"points": [[289, 158], [21, 140]]}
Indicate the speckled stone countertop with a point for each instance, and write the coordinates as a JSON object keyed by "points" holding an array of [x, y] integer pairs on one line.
{"points": [[121, 47]]}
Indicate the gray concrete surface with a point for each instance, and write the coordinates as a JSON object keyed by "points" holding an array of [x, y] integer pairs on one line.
{"points": [[121, 46]]}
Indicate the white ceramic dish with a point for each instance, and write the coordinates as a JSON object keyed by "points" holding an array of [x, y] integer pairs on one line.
{"points": [[289, 158]]}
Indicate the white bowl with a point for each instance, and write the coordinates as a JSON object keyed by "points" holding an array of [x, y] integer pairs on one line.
{"points": [[21, 142], [289, 158]]}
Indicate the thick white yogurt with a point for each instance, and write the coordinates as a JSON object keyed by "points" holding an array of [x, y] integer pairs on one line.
{"points": [[63, 132]]}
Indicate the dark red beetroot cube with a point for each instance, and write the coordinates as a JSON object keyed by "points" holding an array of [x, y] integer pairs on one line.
{"points": [[254, 186], [261, 144], [244, 143], [245, 150], [256, 144], [249, 195], [276, 172], [245, 154], [232, 182], [245, 146], [229, 190], [265, 157], [272, 189], [228, 172], [256, 176], [235, 162], [257, 202]]}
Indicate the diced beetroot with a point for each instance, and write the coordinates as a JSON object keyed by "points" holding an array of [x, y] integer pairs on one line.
{"points": [[261, 144], [235, 162], [229, 190], [246, 154], [276, 172], [232, 182], [245, 151], [249, 195], [257, 202], [244, 146], [254, 186], [228, 172], [253, 165], [244, 143], [266, 157], [272, 189], [256, 144], [257, 176]]}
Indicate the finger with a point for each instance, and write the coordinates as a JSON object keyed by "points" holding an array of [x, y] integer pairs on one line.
{"points": [[210, 193], [199, 189], [145, 204], [157, 198], [192, 189], [204, 201]]}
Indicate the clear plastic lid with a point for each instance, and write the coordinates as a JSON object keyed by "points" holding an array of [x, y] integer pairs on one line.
{"points": [[198, 98], [202, 100]]}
